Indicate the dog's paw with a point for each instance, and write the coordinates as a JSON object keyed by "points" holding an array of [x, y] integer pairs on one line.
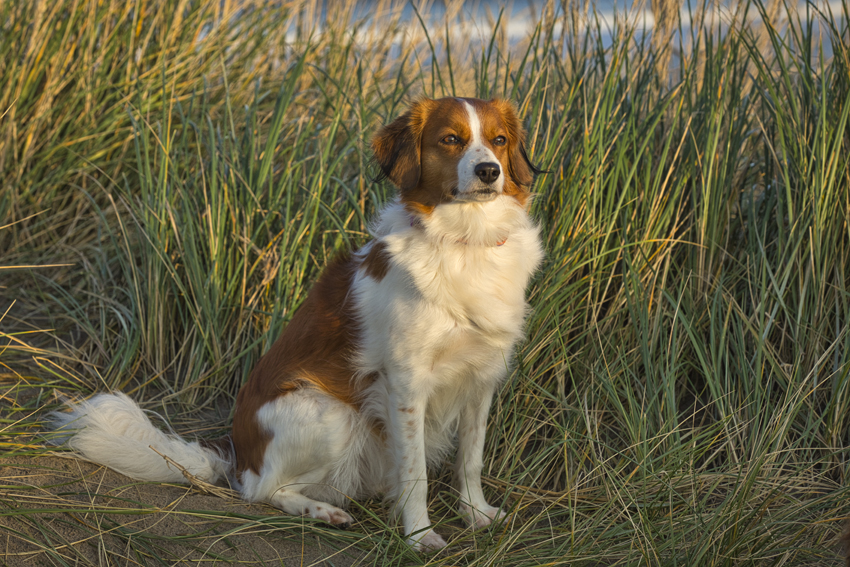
{"points": [[427, 542], [330, 514], [482, 516]]}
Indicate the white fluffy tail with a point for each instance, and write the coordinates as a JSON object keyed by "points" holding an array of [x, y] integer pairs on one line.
{"points": [[111, 429]]}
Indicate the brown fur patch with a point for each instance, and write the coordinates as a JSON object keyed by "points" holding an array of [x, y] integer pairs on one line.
{"points": [[521, 169], [438, 177], [396, 146], [315, 350], [376, 264]]}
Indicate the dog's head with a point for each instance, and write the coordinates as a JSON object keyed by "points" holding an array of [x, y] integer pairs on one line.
{"points": [[455, 150]]}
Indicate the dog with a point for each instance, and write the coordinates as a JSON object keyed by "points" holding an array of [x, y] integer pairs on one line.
{"points": [[394, 356]]}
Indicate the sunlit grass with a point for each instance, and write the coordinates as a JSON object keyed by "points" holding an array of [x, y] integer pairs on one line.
{"points": [[180, 173]]}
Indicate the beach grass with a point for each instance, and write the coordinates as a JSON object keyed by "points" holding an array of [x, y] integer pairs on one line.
{"points": [[174, 176]]}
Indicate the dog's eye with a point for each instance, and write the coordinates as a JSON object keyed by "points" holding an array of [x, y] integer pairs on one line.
{"points": [[450, 140], [500, 141]]}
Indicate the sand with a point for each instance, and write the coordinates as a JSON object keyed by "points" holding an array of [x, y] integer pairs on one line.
{"points": [[58, 510]]}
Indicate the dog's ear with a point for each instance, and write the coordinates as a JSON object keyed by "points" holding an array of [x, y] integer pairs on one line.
{"points": [[521, 170], [397, 146]]}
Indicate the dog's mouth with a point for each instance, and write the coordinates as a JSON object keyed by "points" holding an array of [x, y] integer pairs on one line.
{"points": [[476, 195]]}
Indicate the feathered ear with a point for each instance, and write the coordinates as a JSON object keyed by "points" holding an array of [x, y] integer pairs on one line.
{"points": [[397, 146], [521, 169]]}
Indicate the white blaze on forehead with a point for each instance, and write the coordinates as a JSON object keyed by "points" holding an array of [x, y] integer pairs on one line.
{"points": [[474, 125], [476, 152]]}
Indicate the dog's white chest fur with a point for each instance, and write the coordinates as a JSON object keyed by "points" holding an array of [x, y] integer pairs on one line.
{"points": [[439, 328], [447, 306]]}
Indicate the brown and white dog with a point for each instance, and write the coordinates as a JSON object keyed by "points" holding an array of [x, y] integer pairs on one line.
{"points": [[396, 352]]}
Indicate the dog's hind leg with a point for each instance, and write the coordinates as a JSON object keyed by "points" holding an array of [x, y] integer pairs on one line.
{"points": [[311, 464], [295, 503]]}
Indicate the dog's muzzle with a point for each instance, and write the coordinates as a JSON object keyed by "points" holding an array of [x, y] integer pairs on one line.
{"points": [[484, 186]]}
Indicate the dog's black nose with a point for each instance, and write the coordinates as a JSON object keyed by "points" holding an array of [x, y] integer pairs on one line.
{"points": [[488, 172]]}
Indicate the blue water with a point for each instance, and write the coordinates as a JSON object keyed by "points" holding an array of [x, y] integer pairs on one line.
{"points": [[471, 20], [520, 16]]}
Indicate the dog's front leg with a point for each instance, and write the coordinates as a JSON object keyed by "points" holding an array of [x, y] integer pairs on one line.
{"points": [[471, 431], [407, 434]]}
